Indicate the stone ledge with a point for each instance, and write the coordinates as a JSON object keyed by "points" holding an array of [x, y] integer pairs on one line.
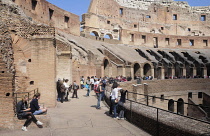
{"points": [[45, 119]]}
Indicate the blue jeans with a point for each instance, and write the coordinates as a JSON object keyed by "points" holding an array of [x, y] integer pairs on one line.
{"points": [[114, 105], [38, 112], [88, 91], [99, 95]]}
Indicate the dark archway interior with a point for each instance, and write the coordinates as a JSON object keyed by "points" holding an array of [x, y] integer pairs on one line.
{"points": [[171, 105], [180, 106], [147, 70]]}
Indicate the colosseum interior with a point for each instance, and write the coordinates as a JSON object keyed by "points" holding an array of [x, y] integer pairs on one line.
{"points": [[163, 39]]}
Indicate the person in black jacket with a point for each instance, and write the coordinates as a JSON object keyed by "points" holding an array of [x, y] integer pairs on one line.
{"points": [[34, 105], [23, 112]]}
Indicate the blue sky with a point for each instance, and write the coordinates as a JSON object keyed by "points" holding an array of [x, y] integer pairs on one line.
{"points": [[80, 7]]}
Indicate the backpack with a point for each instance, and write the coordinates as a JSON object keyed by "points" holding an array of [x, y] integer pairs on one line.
{"points": [[104, 83], [75, 87], [97, 89]]}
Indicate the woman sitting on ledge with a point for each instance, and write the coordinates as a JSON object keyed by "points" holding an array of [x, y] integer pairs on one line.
{"points": [[23, 112], [35, 107]]}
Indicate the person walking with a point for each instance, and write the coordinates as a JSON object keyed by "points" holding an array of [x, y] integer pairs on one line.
{"points": [[23, 112]]}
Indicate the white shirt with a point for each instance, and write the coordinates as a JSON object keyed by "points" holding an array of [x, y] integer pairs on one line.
{"points": [[114, 93], [91, 81], [66, 85]]}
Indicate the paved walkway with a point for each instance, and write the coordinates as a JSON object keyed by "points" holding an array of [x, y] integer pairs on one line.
{"points": [[79, 117]]}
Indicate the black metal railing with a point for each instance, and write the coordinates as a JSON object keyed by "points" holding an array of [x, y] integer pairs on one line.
{"points": [[155, 126], [158, 109], [19, 95]]}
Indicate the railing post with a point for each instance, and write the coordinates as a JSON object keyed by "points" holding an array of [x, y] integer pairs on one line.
{"points": [[131, 110], [147, 100], [157, 123]]}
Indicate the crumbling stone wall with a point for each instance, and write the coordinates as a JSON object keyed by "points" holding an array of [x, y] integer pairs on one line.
{"points": [[128, 22], [44, 12]]}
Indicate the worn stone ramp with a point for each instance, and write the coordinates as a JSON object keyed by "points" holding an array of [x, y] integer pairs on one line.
{"points": [[79, 117]]}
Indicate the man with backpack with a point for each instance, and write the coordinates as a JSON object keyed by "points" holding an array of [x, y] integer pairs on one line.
{"points": [[99, 92]]}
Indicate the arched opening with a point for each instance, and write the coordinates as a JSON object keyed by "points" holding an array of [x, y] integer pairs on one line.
{"points": [[208, 69], [108, 36], [178, 70], [200, 72], [180, 106], [147, 70], [137, 70], [106, 67], [171, 105], [94, 33]]}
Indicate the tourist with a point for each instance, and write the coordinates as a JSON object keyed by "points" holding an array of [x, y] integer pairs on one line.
{"points": [[121, 103], [58, 90], [75, 87], [99, 92], [62, 90], [35, 107], [88, 86], [66, 89], [92, 83], [23, 112], [114, 97]]}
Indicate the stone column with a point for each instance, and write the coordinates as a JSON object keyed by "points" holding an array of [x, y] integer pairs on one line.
{"points": [[172, 72], [205, 72], [162, 73], [110, 71], [153, 72], [194, 71], [184, 72], [123, 69], [142, 72], [102, 71], [132, 73]]}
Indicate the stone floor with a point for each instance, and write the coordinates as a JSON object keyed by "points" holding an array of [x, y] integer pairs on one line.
{"points": [[79, 117]]}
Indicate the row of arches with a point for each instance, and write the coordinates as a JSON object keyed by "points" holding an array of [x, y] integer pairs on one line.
{"points": [[107, 36], [180, 106]]}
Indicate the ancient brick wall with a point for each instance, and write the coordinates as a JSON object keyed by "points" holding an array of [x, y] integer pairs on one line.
{"points": [[47, 13], [157, 86]]}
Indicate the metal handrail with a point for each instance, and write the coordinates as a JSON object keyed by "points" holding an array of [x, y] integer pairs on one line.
{"points": [[28, 94]]}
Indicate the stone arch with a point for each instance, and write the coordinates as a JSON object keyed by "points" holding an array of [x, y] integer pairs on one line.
{"points": [[106, 67], [180, 106], [136, 70], [147, 69], [171, 105], [108, 36], [208, 69], [94, 33], [178, 69]]}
